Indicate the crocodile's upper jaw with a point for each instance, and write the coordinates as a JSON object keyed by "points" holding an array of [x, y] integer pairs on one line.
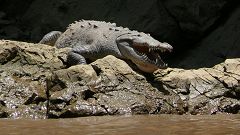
{"points": [[144, 51]]}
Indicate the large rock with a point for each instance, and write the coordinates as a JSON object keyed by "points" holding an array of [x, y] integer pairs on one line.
{"points": [[106, 87], [23, 69], [206, 90], [35, 83]]}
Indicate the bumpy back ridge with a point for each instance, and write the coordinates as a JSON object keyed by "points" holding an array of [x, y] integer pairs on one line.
{"points": [[90, 31], [96, 24]]}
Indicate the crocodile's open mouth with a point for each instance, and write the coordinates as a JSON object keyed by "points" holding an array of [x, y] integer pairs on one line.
{"points": [[151, 55]]}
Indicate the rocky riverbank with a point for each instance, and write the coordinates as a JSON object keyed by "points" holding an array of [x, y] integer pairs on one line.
{"points": [[35, 83]]}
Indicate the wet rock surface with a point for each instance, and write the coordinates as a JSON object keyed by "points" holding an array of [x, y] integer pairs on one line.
{"points": [[23, 69], [106, 86], [35, 83], [206, 90]]}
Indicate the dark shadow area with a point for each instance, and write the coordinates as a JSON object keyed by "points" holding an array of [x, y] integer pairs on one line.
{"points": [[179, 22], [156, 84]]}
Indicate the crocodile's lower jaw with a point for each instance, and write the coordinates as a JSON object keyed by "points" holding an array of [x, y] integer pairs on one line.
{"points": [[147, 68]]}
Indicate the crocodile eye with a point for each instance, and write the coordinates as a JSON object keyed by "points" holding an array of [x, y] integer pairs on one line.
{"points": [[139, 35]]}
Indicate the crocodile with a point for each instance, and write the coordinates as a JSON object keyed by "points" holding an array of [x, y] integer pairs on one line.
{"points": [[96, 39]]}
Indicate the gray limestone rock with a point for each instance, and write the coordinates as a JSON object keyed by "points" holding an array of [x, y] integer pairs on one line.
{"points": [[205, 90], [23, 69], [107, 86], [34, 83]]}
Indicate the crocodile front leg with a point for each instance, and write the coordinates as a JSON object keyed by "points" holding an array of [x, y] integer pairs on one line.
{"points": [[51, 38], [79, 53], [75, 59]]}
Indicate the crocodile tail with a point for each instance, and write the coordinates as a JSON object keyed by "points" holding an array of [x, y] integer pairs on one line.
{"points": [[51, 38]]}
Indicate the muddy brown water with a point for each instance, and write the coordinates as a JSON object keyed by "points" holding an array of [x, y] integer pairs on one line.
{"points": [[126, 125]]}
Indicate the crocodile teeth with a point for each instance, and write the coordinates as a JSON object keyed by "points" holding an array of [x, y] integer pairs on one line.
{"points": [[157, 61], [156, 48], [145, 56]]}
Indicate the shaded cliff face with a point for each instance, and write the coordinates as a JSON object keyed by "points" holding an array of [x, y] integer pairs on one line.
{"points": [[203, 33]]}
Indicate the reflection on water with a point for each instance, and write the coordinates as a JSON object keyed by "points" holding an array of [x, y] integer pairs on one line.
{"points": [[127, 125]]}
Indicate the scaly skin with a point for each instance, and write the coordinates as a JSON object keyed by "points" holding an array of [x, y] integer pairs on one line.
{"points": [[96, 39], [51, 38]]}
